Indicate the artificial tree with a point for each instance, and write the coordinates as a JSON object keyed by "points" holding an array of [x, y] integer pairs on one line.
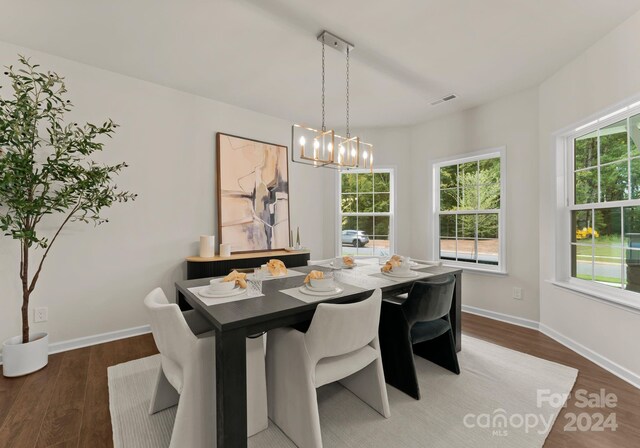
{"points": [[46, 169]]}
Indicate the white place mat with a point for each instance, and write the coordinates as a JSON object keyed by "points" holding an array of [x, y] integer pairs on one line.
{"points": [[368, 268], [290, 273], [358, 264], [420, 275], [347, 289], [361, 278], [250, 294]]}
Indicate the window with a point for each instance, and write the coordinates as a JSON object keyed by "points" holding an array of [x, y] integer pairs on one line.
{"points": [[366, 212], [604, 201], [469, 210]]}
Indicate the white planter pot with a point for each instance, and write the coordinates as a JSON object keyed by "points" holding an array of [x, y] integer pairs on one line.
{"points": [[21, 359]]}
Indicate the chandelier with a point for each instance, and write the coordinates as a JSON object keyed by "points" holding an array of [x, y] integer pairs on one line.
{"points": [[323, 147]]}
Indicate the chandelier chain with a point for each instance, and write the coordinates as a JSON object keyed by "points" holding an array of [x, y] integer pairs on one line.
{"points": [[323, 124], [348, 133]]}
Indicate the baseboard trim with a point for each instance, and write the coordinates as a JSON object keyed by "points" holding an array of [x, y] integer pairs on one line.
{"points": [[610, 366], [87, 341], [515, 320], [605, 363]]}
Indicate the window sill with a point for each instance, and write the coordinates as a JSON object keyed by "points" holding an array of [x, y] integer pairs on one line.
{"points": [[609, 298], [474, 269]]}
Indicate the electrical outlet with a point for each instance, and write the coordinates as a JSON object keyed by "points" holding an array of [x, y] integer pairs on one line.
{"points": [[517, 293], [41, 314]]}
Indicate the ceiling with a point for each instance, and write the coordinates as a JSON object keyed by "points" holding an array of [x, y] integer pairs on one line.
{"points": [[263, 54]]}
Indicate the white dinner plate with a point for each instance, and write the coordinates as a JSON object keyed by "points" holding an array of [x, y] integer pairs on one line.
{"points": [[344, 266], [306, 290], [409, 274], [308, 285], [412, 263], [222, 294]]}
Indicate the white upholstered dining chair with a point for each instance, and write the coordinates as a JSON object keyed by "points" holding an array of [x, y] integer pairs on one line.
{"points": [[187, 374], [341, 344]]}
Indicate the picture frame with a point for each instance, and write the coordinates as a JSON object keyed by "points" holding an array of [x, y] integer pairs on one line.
{"points": [[253, 194]]}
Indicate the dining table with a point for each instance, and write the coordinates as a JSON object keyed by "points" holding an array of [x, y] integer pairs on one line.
{"points": [[277, 302]]}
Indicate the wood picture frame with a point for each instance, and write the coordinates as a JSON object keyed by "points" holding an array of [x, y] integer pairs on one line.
{"points": [[253, 194]]}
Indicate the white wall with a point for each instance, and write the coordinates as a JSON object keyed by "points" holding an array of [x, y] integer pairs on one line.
{"points": [[604, 75], [96, 278], [510, 122]]}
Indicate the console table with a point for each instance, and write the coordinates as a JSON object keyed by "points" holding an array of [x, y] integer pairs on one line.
{"points": [[198, 267]]}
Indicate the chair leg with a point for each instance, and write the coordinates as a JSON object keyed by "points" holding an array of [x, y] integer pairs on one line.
{"points": [[440, 351], [369, 385], [397, 354], [292, 399], [195, 423], [164, 395], [257, 419]]}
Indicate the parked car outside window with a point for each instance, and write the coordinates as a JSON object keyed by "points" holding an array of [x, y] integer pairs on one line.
{"points": [[355, 238]]}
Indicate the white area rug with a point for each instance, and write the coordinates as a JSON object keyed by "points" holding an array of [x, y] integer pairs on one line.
{"points": [[487, 405]]}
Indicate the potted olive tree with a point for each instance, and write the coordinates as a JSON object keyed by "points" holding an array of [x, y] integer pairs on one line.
{"points": [[46, 172]]}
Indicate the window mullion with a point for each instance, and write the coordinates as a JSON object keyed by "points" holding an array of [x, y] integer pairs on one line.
{"points": [[599, 169], [629, 195], [622, 255], [601, 205], [476, 241], [593, 245], [457, 204]]}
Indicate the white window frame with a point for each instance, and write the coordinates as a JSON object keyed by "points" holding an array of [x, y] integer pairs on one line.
{"points": [[565, 203], [490, 153], [391, 214]]}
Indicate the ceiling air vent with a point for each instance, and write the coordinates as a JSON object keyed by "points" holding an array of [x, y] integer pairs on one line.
{"points": [[444, 99]]}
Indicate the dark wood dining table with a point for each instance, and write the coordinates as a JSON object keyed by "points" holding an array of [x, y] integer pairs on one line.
{"points": [[235, 321]]}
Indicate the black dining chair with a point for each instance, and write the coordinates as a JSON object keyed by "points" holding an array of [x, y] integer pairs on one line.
{"points": [[418, 324]]}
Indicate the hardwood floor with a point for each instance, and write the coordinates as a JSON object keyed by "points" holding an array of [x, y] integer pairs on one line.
{"points": [[591, 378], [66, 404]]}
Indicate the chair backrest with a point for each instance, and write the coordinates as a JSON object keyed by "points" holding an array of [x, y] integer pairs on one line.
{"points": [[171, 333], [337, 329], [429, 300]]}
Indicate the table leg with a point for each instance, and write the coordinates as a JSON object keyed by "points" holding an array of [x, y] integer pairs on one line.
{"points": [[231, 389], [181, 301]]}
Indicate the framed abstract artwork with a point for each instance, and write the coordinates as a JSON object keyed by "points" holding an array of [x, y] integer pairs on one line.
{"points": [[253, 194]]}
